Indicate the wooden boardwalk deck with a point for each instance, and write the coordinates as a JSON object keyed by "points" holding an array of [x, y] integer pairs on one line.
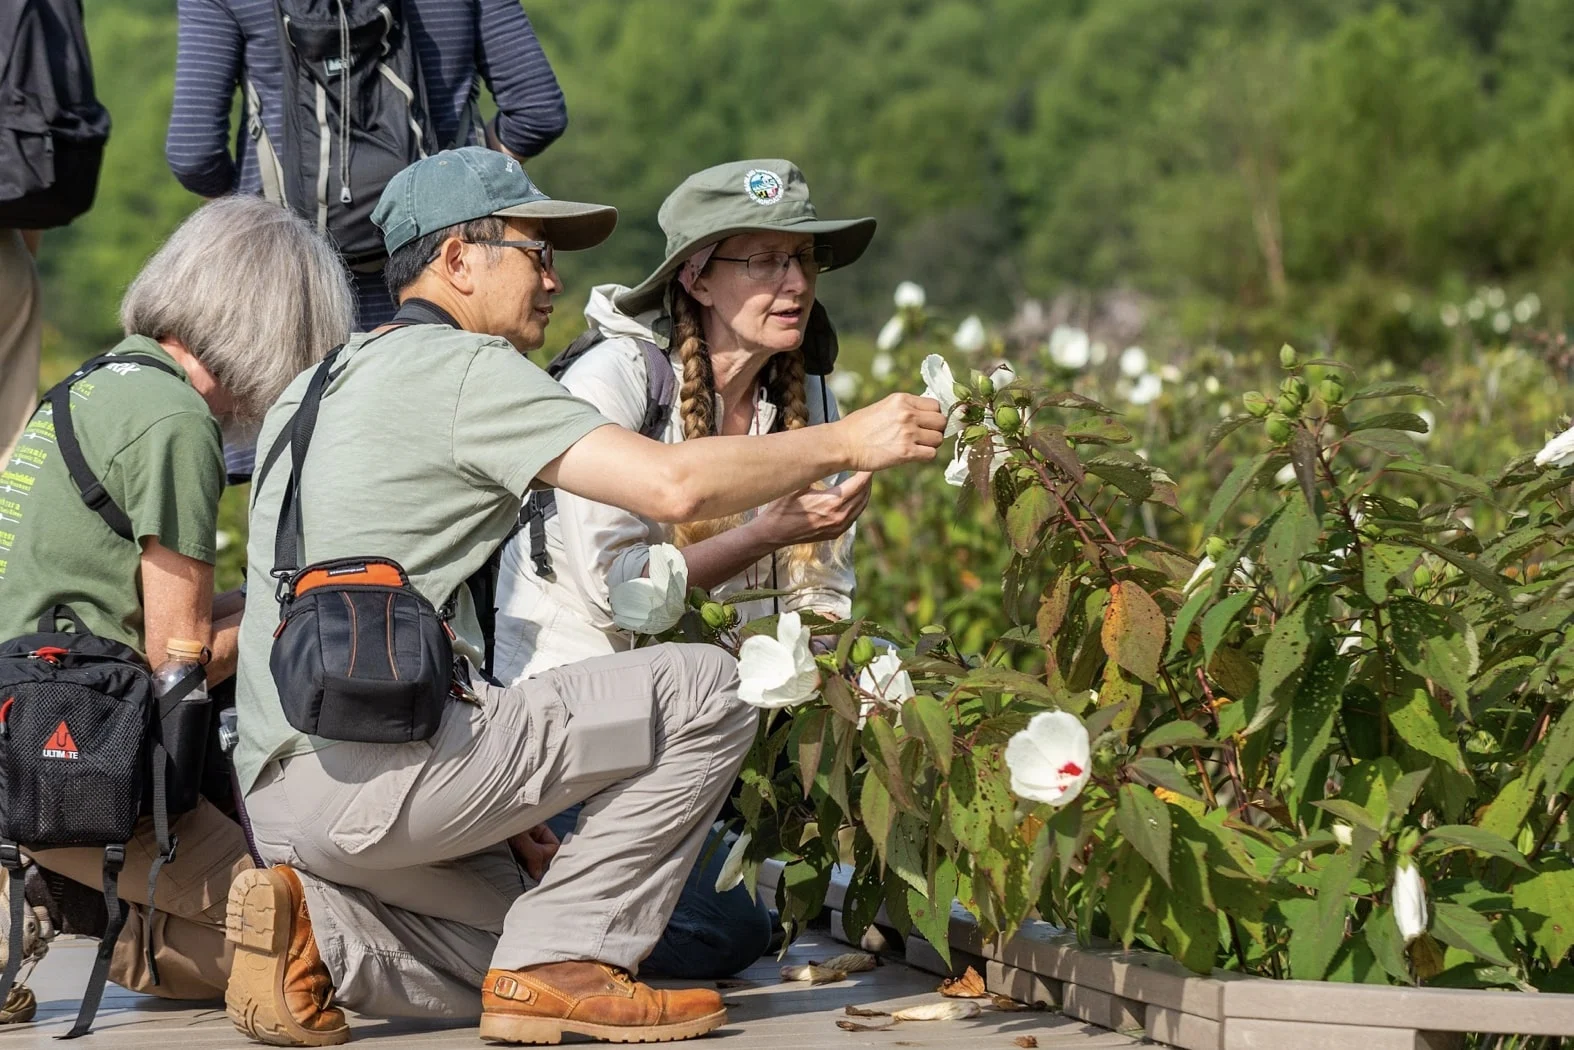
{"points": [[765, 1014]]}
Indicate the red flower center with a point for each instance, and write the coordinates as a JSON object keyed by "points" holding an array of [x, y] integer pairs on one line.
{"points": [[1071, 769]]}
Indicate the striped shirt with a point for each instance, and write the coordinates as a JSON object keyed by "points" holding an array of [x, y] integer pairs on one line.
{"points": [[222, 42]]}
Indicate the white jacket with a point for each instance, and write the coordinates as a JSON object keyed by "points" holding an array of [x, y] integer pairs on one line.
{"points": [[594, 546]]}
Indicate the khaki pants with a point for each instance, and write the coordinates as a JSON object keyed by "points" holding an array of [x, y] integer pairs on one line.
{"points": [[188, 926], [20, 333], [411, 896]]}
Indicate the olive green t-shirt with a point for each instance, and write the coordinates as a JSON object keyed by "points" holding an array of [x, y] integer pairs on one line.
{"points": [[156, 448], [427, 440]]}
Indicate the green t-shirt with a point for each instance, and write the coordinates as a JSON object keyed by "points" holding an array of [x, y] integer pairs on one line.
{"points": [[156, 448], [426, 442]]}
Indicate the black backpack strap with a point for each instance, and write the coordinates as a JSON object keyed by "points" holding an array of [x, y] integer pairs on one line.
{"points": [[287, 540], [48, 623], [167, 842], [661, 386], [11, 860], [87, 483], [114, 860]]}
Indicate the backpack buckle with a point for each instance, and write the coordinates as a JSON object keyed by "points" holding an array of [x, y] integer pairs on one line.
{"points": [[10, 856], [95, 496]]}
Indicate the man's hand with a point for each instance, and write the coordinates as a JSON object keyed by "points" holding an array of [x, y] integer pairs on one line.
{"points": [[535, 850], [900, 428], [815, 513]]}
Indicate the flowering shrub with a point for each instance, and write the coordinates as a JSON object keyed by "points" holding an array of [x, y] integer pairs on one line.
{"points": [[1324, 693]]}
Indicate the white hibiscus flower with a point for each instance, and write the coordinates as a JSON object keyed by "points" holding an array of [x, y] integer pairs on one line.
{"points": [[778, 672], [655, 602], [1050, 760]]}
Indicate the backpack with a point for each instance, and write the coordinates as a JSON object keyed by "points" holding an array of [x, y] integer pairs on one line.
{"points": [[86, 748], [52, 128], [355, 115], [660, 385]]}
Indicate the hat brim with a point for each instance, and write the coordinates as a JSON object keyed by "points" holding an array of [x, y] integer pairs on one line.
{"points": [[571, 226], [847, 237]]}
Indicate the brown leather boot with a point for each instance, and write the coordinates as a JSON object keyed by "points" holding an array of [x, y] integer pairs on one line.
{"points": [[279, 991], [541, 1004]]}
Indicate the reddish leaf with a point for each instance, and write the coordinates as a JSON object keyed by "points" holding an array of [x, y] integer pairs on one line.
{"points": [[1134, 630]]}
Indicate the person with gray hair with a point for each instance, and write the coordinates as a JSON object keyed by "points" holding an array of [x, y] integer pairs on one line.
{"points": [[242, 297]]}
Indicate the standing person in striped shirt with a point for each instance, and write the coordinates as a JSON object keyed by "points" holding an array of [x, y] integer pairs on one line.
{"points": [[230, 45]]}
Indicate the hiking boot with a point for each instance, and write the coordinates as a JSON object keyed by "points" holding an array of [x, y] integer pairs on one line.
{"points": [[541, 1004], [279, 991]]}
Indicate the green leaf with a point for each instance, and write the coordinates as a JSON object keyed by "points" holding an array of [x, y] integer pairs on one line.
{"points": [[1466, 929], [886, 761], [1025, 520], [905, 851], [811, 741], [1173, 734], [1161, 772], [1340, 807], [1454, 479], [1376, 390], [1388, 442], [1006, 680], [1199, 597], [1217, 623], [1403, 791], [1130, 880], [1293, 535], [839, 697], [1312, 715], [1380, 563], [1550, 898], [1051, 444], [1130, 478], [1190, 927], [1230, 490], [1289, 646], [1098, 431], [1449, 836], [1133, 632], [1224, 430], [1478, 571], [967, 807], [1407, 421], [931, 909], [925, 718], [874, 804], [1435, 643], [1507, 812], [1304, 457], [1559, 750], [1422, 723], [1145, 821], [1387, 944], [1313, 947]]}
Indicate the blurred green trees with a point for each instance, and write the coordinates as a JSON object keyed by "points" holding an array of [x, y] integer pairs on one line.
{"points": [[1251, 161]]}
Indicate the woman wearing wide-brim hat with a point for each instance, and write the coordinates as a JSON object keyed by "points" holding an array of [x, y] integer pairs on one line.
{"points": [[731, 312]]}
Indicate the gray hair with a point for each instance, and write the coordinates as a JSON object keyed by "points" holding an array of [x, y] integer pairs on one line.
{"points": [[252, 290]]}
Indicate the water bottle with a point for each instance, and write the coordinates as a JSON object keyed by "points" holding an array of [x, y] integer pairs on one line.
{"points": [[183, 726], [181, 657]]}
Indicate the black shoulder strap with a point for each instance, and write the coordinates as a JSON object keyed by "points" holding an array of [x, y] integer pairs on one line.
{"points": [[87, 483], [114, 860], [287, 540], [574, 351], [661, 386]]}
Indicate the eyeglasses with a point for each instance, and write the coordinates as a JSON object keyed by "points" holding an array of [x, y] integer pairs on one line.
{"points": [[543, 250], [772, 266]]}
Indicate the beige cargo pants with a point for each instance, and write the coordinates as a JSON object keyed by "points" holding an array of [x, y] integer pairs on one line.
{"points": [[20, 333], [411, 896], [188, 928]]}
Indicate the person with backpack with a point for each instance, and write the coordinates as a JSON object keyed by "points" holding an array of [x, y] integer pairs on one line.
{"points": [[340, 95], [51, 147], [397, 794], [108, 528], [724, 337]]}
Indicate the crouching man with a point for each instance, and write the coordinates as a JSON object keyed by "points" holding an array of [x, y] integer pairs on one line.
{"points": [[239, 299], [396, 890]]}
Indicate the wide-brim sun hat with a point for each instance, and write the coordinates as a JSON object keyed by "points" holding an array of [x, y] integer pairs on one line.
{"points": [[460, 185], [746, 196]]}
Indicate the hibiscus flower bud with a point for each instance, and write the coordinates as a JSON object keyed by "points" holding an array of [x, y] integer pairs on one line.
{"points": [[1256, 404], [1216, 547], [1008, 418], [715, 615], [1288, 356], [1278, 427], [985, 386], [863, 651]]}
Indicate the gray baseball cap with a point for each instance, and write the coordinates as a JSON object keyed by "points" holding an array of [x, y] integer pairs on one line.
{"points": [[458, 185], [745, 196]]}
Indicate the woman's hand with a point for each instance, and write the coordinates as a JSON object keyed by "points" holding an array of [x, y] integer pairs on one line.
{"points": [[535, 850], [813, 514], [899, 428]]}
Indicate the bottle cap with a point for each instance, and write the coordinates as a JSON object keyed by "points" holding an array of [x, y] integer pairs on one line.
{"points": [[186, 649]]}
